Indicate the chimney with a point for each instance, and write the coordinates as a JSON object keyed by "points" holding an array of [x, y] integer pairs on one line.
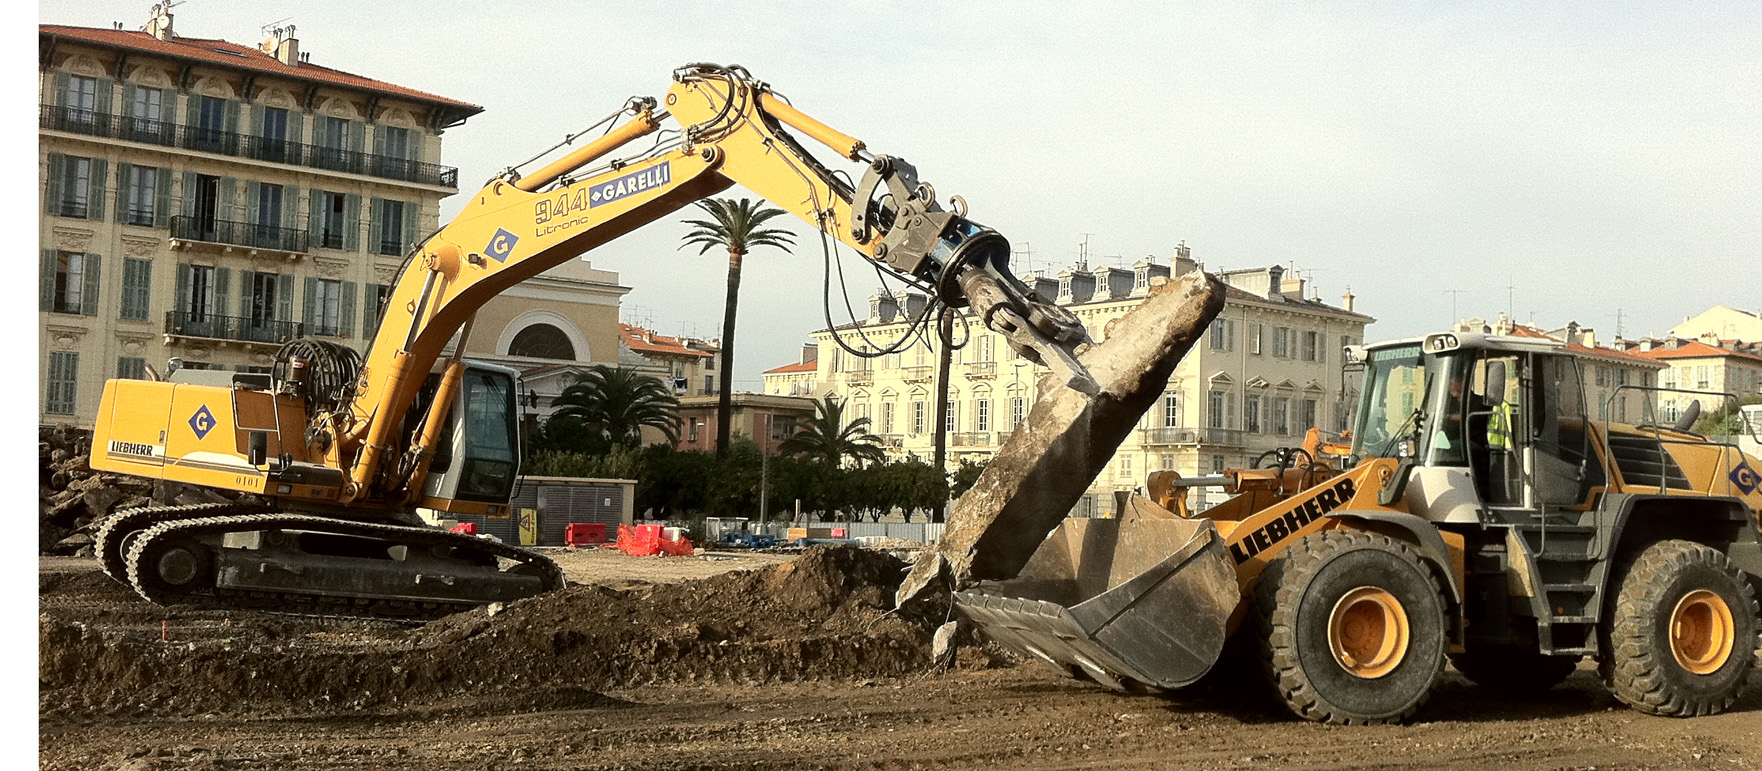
{"points": [[1572, 333], [1183, 262], [810, 353], [160, 25], [1292, 288], [1646, 344], [1672, 342], [282, 45], [1346, 299]]}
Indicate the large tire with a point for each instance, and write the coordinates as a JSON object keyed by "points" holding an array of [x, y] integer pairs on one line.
{"points": [[1682, 637], [1513, 669], [1352, 628]]}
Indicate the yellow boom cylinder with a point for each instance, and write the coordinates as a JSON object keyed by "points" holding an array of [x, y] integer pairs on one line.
{"points": [[642, 125], [846, 145]]}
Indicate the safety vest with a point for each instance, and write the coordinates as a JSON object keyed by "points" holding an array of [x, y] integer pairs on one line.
{"points": [[1499, 427]]}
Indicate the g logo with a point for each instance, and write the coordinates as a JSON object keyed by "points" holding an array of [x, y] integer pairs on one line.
{"points": [[1745, 478], [202, 422], [501, 245]]}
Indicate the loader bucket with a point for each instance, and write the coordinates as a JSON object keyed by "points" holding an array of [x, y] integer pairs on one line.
{"points": [[1138, 601]]}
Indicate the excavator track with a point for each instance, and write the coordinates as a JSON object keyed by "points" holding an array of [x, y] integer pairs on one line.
{"points": [[110, 540], [145, 573]]}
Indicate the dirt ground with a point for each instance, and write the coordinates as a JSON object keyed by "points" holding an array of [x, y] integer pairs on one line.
{"points": [[678, 664]]}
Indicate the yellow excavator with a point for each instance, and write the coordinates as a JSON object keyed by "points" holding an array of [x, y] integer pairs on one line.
{"points": [[344, 449], [1480, 517]]}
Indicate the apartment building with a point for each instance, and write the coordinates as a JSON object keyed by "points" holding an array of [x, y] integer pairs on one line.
{"points": [[1697, 365], [1268, 369], [685, 364], [209, 201]]}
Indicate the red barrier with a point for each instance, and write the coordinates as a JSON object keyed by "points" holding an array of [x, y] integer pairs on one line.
{"points": [[584, 533], [468, 528], [649, 541]]}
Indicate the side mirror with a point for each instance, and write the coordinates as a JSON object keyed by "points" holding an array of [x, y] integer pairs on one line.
{"points": [[1496, 380]]}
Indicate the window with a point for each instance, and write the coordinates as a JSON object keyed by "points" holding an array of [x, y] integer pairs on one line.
{"points": [[982, 415], [952, 421], [268, 205], [1311, 346], [544, 341], [1251, 413], [76, 187], [1306, 415], [985, 348], [782, 426], [397, 141], [1017, 409], [266, 290], [691, 427], [1215, 412], [1217, 464], [198, 302], [887, 417], [917, 417], [1602, 375], [146, 104], [1282, 342], [210, 126], [80, 99], [1281, 416], [326, 306], [61, 392], [131, 368], [137, 288], [1223, 335], [1125, 465], [1255, 333], [75, 284], [143, 194], [1171, 411], [390, 219], [1168, 462], [331, 220]]}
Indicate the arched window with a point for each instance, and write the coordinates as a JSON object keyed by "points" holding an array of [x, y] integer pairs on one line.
{"points": [[542, 341]]}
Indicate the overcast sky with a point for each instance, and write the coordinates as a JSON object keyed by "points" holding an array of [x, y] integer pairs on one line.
{"points": [[1601, 157]]}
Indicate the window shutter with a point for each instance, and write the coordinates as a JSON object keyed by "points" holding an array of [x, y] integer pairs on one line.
{"points": [[222, 283], [284, 298], [357, 130], [379, 140], [101, 104], [296, 125], [63, 79], [315, 217], [89, 300], [257, 119], [229, 195], [351, 222], [162, 198], [192, 110], [253, 194], [122, 188], [46, 280], [181, 303], [52, 194], [247, 292], [410, 230], [311, 304], [346, 310], [231, 117], [375, 213], [128, 97], [95, 190], [290, 206], [189, 194], [137, 289], [369, 309]]}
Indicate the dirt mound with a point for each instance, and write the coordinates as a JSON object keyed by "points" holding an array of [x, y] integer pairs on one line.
{"points": [[826, 615]]}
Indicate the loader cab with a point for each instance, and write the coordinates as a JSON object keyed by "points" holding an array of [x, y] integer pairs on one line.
{"points": [[1493, 426], [478, 456]]}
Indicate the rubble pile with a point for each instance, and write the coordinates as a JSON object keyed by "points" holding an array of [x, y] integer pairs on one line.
{"points": [[72, 499]]}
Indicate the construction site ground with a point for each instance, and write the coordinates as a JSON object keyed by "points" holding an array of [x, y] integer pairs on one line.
{"points": [[677, 663]]}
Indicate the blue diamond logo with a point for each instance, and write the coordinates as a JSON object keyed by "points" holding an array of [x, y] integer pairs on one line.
{"points": [[501, 245], [202, 422], [1745, 478]]}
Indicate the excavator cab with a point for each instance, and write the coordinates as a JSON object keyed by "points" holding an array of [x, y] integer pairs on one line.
{"points": [[478, 458]]}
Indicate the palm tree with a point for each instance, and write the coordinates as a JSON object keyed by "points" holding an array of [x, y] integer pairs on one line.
{"points": [[826, 436], [617, 403], [738, 227]]}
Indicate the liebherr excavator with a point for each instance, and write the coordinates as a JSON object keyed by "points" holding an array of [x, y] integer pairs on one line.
{"points": [[1482, 517], [344, 449]]}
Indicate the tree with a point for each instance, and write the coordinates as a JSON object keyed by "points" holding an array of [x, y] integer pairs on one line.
{"points": [[827, 437], [965, 477], [614, 404], [737, 226]]}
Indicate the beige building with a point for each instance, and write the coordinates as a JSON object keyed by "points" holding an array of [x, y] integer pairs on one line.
{"points": [[685, 364], [1607, 370], [1721, 323], [209, 201], [1694, 365], [1268, 369]]}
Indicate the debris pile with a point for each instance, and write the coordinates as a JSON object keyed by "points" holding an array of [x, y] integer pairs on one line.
{"points": [[828, 615], [72, 498]]}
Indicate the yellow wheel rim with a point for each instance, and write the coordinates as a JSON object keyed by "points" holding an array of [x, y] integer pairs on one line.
{"points": [[1701, 632], [1368, 632]]}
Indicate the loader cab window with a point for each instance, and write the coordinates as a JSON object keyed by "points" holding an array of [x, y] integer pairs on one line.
{"points": [[1400, 385]]}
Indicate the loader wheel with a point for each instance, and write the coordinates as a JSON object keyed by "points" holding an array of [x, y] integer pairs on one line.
{"points": [[1352, 628], [1513, 669], [1682, 638]]}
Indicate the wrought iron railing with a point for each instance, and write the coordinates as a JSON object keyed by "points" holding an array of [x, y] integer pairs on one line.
{"points": [[970, 439], [239, 233], [1169, 435], [915, 373], [209, 140], [241, 328]]}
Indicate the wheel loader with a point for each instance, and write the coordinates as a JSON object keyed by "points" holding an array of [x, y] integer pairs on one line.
{"points": [[1479, 517]]}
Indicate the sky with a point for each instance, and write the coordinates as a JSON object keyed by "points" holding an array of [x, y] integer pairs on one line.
{"points": [[1573, 161]]}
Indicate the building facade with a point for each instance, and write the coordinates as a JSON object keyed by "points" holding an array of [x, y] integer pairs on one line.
{"points": [[686, 364], [1608, 370], [763, 418], [1268, 369], [1693, 365], [209, 201]]}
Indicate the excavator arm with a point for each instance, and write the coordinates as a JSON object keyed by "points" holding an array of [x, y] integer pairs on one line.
{"points": [[732, 129]]}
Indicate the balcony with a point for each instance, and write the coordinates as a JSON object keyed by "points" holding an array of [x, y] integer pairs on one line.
{"points": [[234, 328], [981, 369], [245, 234], [167, 134], [970, 439], [860, 377], [1169, 435], [915, 374]]}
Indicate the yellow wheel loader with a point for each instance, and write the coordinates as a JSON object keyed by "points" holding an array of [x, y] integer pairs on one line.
{"points": [[1481, 518]]}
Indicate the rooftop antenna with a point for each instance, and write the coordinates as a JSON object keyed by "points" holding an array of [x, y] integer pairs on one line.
{"points": [[1027, 254], [274, 27], [1453, 293], [1083, 253]]}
